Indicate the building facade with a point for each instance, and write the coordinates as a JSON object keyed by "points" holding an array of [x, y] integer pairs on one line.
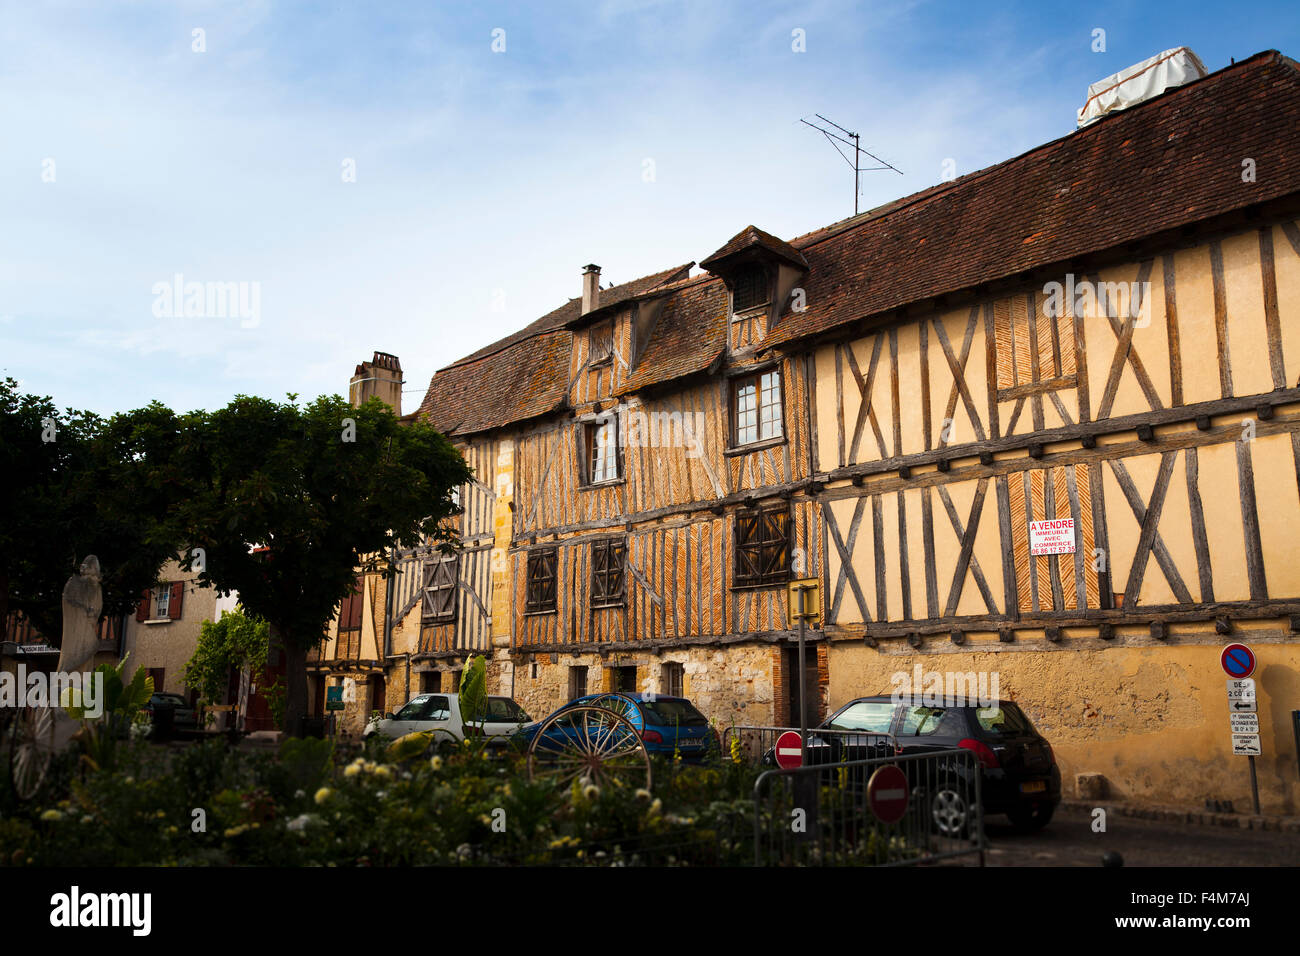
{"points": [[1040, 422]]}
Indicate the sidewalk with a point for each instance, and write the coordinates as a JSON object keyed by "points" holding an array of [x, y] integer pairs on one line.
{"points": [[1209, 818]]}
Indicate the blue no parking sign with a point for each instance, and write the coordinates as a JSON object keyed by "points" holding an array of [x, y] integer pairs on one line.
{"points": [[1238, 661]]}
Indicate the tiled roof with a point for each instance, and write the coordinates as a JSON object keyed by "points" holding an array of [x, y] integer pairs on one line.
{"points": [[1169, 162], [751, 237], [572, 310], [691, 332], [524, 374]]}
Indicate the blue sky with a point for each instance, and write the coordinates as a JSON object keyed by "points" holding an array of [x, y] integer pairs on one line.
{"points": [[484, 180]]}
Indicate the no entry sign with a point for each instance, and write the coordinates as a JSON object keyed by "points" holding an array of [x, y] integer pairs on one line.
{"points": [[789, 752], [1238, 661], [887, 794]]}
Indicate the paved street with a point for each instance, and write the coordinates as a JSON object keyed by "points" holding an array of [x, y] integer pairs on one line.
{"points": [[1069, 841]]}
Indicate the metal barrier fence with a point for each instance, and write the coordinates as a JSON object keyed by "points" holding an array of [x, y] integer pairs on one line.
{"points": [[752, 744], [822, 815]]}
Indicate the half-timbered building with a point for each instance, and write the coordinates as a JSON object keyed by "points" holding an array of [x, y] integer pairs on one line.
{"points": [[1040, 422]]}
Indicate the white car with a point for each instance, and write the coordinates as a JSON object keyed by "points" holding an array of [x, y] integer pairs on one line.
{"points": [[441, 713]]}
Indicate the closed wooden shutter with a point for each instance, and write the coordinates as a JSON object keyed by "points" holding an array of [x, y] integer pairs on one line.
{"points": [[142, 610], [174, 602], [354, 619]]}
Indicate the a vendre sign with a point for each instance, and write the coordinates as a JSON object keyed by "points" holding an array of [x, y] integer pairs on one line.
{"points": [[1052, 536]]}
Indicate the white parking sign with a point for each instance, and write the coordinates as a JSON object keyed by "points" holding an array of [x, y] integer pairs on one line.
{"points": [[1244, 723], [1241, 690], [1246, 745]]}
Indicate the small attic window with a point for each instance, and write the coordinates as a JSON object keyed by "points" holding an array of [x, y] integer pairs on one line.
{"points": [[749, 288], [602, 342]]}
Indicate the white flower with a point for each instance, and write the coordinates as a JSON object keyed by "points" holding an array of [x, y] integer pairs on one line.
{"points": [[300, 822]]}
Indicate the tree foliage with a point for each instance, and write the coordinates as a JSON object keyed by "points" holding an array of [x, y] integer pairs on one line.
{"points": [[473, 690], [237, 640], [74, 484], [289, 501]]}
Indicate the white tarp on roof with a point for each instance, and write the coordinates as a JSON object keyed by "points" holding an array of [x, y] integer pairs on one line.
{"points": [[1140, 82]]}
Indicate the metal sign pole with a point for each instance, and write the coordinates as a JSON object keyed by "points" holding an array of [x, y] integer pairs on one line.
{"points": [[1254, 784], [803, 686]]}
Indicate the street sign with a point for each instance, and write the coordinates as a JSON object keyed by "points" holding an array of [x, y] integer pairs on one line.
{"points": [[1238, 661], [1240, 691], [1242, 706], [1246, 745], [789, 753], [1244, 723], [805, 600], [887, 794]]}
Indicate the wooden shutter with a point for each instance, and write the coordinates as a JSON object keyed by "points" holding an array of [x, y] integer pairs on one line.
{"points": [[354, 619], [174, 602], [142, 610]]}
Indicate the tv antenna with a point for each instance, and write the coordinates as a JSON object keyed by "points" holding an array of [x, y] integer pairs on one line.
{"points": [[856, 162]]}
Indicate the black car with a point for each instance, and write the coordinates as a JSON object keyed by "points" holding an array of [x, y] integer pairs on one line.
{"points": [[1019, 775]]}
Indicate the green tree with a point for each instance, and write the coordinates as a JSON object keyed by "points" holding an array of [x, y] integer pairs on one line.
{"points": [[237, 640], [74, 484], [289, 501]]}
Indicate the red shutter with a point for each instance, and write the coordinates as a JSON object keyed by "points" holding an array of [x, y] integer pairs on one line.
{"points": [[355, 621], [142, 611], [174, 604]]}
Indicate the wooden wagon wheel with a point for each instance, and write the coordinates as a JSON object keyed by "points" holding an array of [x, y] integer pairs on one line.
{"points": [[621, 706], [31, 748], [590, 744]]}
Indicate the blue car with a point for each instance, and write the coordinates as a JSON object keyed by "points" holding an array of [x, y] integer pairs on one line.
{"points": [[667, 725]]}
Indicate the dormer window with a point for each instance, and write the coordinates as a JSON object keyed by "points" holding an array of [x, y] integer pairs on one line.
{"points": [[749, 288]]}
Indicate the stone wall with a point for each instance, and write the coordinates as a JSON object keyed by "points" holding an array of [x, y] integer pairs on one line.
{"points": [[1150, 717], [729, 686]]}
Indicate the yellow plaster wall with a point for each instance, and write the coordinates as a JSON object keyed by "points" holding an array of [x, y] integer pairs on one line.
{"points": [[1152, 719]]}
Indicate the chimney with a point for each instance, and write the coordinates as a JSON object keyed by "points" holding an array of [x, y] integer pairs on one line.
{"points": [[381, 376], [590, 288]]}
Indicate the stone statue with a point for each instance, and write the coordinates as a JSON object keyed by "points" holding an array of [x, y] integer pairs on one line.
{"points": [[83, 599]]}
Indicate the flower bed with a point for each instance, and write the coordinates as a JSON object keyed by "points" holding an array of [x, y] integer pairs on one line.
{"points": [[209, 804]]}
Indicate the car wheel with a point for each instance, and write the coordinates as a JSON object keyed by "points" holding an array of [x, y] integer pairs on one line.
{"points": [[950, 811], [1031, 819]]}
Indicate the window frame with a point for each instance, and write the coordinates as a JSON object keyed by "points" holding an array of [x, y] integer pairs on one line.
{"points": [[755, 377], [739, 281], [744, 580], [162, 602], [603, 597], [596, 335], [590, 431], [672, 678], [428, 585], [539, 602]]}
